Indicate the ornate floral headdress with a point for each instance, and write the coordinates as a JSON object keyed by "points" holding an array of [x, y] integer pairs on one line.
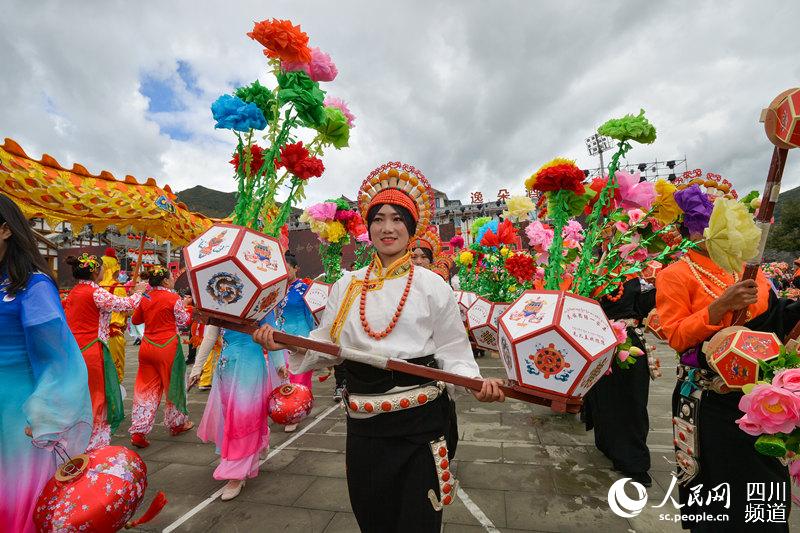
{"points": [[89, 261], [158, 270], [714, 185], [430, 240], [399, 184]]}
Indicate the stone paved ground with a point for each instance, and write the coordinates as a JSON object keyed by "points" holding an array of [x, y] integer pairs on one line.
{"points": [[525, 468]]}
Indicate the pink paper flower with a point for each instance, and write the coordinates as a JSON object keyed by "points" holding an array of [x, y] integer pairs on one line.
{"points": [[364, 237], [623, 355], [620, 330], [635, 193], [639, 255], [635, 216], [788, 379], [774, 409], [341, 105], [750, 427], [322, 211], [573, 231], [344, 215], [321, 67], [621, 226], [539, 235], [457, 241]]}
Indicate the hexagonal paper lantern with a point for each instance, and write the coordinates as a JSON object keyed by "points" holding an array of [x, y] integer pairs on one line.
{"points": [[736, 356], [236, 272], [653, 324], [556, 342], [465, 299], [782, 119], [482, 317], [316, 298], [650, 270]]}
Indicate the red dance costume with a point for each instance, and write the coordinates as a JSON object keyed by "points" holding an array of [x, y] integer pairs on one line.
{"points": [[88, 309], [162, 367]]}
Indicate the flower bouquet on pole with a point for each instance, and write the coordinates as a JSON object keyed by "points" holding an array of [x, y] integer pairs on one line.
{"points": [[555, 338], [237, 271], [334, 224], [496, 272]]}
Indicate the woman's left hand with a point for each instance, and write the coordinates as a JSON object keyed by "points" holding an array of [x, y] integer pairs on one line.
{"points": [[490, 391], [29, 431]]}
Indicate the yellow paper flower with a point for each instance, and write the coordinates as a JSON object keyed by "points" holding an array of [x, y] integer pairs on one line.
{"points": [[666, 209], [732, 236], [465, 258], [336, 231], [504, 251], [519, 208], [512, 288], [318, 227]]}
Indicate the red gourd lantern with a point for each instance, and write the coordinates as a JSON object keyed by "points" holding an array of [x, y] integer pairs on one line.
{"points": [[97, 492], [290, 403]]}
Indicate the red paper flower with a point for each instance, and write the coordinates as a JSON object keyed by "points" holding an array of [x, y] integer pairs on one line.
{"points": [[255, 164], [281, 39], [558, 175], [296, 159], [597, 185], [506, 234], [521, 265]]}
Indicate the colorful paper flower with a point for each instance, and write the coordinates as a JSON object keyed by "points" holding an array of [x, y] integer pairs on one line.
{"points": [[257, 94], [334, 129], [629, 128], [233, 113], [598, 184], [478, 223], [457, 242], [466, 258], [504, 234], [573, 231], [634, 193], [320, 68], [295, 158], [324, 211], [518, 208], [491, 225], [732, 236], [282, 40], [666, 209], [341, 105], [558, 175], [521, 265], [336, 231], [620, 330], [256, 162], [788, 379], [696, 209], [769, 409], [305, 94], [540, 236]]}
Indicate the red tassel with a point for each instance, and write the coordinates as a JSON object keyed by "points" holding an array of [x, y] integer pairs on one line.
{"points": [[156, 505]]}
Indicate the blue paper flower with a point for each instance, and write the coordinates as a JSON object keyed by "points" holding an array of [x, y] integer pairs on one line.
{"points": [[233, 113], [491, 225]]}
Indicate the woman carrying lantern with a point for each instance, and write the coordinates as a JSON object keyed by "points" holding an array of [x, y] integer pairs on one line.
{"points": [[236, 415], [44, 399], [695, 299], [88, 309], [293, 317], [399, 438], [162, 367]]}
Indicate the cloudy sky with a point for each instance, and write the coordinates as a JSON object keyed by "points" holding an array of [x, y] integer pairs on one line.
{"points": [[476, 94]]}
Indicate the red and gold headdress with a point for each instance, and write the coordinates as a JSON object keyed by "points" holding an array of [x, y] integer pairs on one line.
{"points": [[714, 185], [400, 184], [430, 240]]}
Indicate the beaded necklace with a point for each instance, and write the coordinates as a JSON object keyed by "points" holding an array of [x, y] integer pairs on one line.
{"points": [[363, 305], [697, 270]]}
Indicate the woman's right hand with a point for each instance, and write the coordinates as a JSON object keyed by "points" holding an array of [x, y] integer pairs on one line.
{"points": [[263, 336], [140, 287], [738, 296], [193, 380]]}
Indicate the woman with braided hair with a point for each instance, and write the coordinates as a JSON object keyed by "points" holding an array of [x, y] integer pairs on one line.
{"points": [[88, 308], [162, 367]]}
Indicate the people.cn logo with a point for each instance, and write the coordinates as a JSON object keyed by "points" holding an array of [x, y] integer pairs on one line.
{"points": [[621, 504]]}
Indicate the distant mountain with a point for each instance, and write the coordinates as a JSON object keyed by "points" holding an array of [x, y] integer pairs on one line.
{"points": [[213, 203], [787, 197], [216, 204]]}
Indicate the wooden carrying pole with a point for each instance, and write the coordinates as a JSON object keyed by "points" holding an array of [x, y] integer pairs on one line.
{"points": [[557, 403], [135, 277]]}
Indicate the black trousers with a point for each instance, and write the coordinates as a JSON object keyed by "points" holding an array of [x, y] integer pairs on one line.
{"points": [[390, 468], [727, 455], [616, 408]]}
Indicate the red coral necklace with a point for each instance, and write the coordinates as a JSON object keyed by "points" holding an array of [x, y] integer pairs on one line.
{"points": [[363, 305]]}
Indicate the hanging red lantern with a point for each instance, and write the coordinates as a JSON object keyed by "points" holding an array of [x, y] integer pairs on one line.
{"points": [[289, 404], [98, 492]]}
